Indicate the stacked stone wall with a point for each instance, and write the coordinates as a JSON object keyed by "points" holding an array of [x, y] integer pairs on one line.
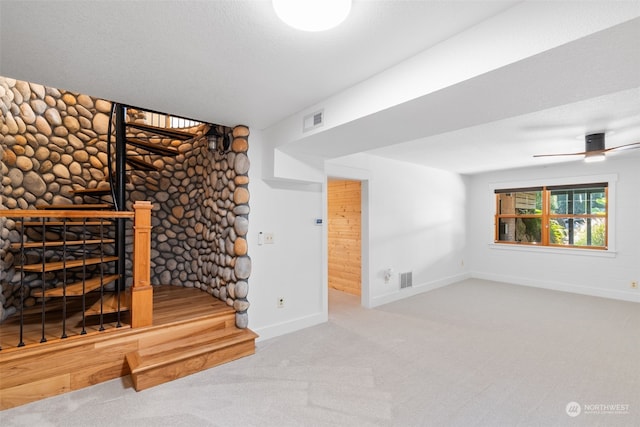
{"points": [[54, 141]]}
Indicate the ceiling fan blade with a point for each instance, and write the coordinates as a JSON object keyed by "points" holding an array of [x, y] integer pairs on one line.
{"points": [[562, 154], [624, 147]]}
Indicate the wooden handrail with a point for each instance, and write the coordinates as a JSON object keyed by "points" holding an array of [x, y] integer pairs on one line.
{"points": [[32, 213]]}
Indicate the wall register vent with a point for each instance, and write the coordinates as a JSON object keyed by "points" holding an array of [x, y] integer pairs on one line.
{"points": [[313, 121], [406, 280]]}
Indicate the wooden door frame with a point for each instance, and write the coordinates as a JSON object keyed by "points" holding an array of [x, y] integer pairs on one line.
{"points": [[363, 177]]}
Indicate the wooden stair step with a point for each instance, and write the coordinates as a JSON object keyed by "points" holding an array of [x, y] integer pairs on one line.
{"points": [[168, 132], [139, 164], [151, 147], [109, 304], [60, 265], [183, 348], [61, 223], [83, 206], [76, 289], [104, 191], [160, 364], [51, 244]]}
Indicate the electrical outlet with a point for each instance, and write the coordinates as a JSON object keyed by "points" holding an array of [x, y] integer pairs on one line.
{"points": [[268, 239], [634, 285], [281, 302]]}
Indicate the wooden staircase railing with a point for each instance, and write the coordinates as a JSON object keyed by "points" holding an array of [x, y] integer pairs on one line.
{"points": [[142, 291], [140, 301]]}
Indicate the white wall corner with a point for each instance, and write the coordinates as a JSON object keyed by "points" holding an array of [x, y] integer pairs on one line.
{"points": [[281, 170]]}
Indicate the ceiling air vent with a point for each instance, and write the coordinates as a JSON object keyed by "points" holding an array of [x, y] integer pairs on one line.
{"points": [[313, 120]]}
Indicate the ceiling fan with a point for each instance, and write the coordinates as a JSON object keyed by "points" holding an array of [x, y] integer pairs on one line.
{"points": [[594, 148]]}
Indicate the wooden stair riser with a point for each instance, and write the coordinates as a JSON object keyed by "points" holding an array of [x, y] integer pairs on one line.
{"points": [[62, 369], [109, 304], [180, 367], [192, 328], [214, 327], [185, 345]]}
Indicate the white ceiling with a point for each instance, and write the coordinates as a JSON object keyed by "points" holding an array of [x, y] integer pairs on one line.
{"points": [[232, 62], [226, 62], [512, 143]]}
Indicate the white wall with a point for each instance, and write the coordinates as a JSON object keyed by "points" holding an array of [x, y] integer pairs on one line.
{"points": [[290, 268], [416, 222], [516, 35], [435, 223], [581, 271]]}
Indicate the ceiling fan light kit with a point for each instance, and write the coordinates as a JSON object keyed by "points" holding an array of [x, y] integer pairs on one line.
{"points": [[594, 157], [594, 148]]}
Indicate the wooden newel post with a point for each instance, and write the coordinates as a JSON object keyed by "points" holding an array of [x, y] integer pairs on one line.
{"points": [[142, 291]]}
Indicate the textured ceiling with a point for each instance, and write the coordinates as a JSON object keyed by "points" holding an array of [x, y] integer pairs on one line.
{"points": [[232, 62], [227, 62]]}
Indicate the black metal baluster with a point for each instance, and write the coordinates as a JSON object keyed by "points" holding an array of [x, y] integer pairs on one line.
{"points": [[121, 281], [44, 299], [101, 275], [23, 260], [120, 201], [64, 278], [84, 274]]}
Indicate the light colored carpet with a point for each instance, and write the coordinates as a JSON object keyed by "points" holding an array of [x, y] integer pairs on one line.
{"points": [[475, 353]]}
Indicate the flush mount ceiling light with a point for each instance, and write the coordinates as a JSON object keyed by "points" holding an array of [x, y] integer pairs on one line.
{"points": [[312, 15]]}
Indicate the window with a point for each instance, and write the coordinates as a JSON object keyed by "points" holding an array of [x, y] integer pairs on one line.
{"points": [[568, 216]]}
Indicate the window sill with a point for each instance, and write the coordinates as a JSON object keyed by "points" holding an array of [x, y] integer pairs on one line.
{"points": [[554, 250]]}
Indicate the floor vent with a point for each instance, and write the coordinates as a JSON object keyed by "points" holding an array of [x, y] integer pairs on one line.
{"points": [[406, 280]]}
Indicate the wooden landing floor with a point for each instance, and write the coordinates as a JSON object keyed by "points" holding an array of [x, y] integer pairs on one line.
{"points": [[170, 303]]}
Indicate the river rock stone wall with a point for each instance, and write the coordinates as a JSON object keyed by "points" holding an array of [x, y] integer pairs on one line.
{"points": [[54, 141], [4, 243]]}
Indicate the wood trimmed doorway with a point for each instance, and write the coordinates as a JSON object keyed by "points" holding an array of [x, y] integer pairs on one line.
{"points": [[344, 235]]}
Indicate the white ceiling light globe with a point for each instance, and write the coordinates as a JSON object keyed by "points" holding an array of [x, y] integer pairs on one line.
{"points": [[312, 15]]}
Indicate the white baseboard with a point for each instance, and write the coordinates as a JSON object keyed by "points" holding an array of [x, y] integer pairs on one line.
{"points": [[415, 290], [272, 331], [559, 286]]}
